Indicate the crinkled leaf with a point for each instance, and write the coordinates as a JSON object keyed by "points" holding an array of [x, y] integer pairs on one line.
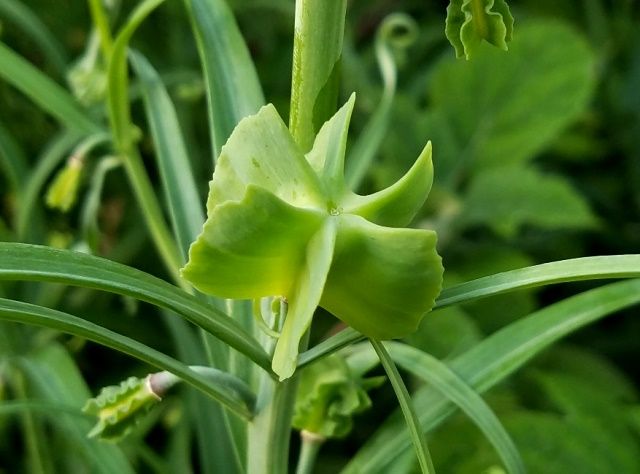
{"points": [[251, 248], [120, 407], [471, 21], [382, 280], [331, 396]]}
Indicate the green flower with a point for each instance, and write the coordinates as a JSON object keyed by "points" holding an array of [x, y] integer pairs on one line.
{"points": [[284, 224]]}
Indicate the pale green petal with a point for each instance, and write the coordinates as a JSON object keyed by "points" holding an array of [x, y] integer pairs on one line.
{"points": [[327, 155], [397, 205], [382, 280], [261, 151], [305, 298], [251, 248]]}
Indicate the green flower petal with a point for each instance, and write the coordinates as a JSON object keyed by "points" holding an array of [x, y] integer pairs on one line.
{"points": [[261, 151], [305, 298], [251, 248], [397, 205], [327, 155], [382, 280]]}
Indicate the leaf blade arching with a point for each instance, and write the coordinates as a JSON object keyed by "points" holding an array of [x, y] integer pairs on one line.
{"points": [[38, 263], [382, 280], [37, 315], [438, 374], [251, 248]]}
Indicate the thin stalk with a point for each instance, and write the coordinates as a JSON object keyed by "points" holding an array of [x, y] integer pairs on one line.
{"points": [[101, 21], [410, 415], [311, 444]]}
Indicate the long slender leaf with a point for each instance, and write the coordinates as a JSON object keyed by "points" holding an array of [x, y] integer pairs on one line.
{"points": [[443, 379], [20, 14], [17, 311], [54, 377], [175, 168], [13, 161], [232, 84], [576, 269], [32, 262], [49, 96], [406, 405], [494, 359], [124, 139]]}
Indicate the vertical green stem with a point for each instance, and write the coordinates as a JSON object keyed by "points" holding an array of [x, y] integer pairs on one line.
{"points": [[101, 22], [317, 48], [309, 449]]}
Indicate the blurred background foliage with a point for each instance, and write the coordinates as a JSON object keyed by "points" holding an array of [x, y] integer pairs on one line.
{"points": [[536, 159]]}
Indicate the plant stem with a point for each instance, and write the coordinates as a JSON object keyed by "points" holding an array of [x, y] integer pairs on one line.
{"points": [[101, 22], [311, 444], [317, 48]]}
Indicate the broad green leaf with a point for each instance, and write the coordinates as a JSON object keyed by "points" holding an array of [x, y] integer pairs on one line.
{"points": [[471, 21], [382, 280], [508, 198], [416, 433], [47, 94], [31, 262], [173, 160], [505, 108], [493, 360], [316, 67], [232, 84], [266, 206], [19, 13], [436, 373], [37, 315]]}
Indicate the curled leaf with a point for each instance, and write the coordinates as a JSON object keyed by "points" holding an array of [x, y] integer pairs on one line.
{"points": [[332, 395], [284, 224], [63, 191], [120, 407], [471, 21]]}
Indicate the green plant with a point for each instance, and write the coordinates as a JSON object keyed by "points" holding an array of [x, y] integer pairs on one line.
{"points": [[285, 229]]}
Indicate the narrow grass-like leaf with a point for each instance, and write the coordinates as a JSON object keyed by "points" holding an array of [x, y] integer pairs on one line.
{"points": [[443, 379], [576, 269], [54, 377], [406, 405], [494, 359], [232, 84], [19, 13], [47, 94], [344, 338], [124, 139], [31, 262], [17, 311], [13, 162], [175, 168]]}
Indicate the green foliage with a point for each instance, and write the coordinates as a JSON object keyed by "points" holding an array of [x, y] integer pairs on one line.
{"points": [[63, 192], [332, 395], [120, 407], [471, 21]]}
